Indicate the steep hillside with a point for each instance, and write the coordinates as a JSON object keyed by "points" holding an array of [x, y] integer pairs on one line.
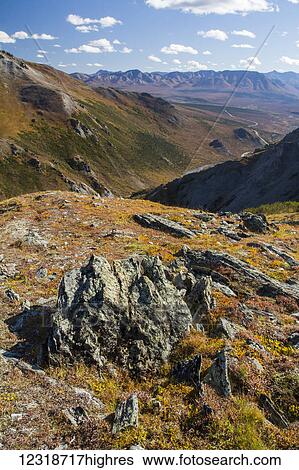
{"points": [[49, 121], [202, 341], [57, 133], [266, 176]]}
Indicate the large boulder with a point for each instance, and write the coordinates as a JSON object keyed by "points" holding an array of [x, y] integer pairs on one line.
{"points": [[128, 313]]}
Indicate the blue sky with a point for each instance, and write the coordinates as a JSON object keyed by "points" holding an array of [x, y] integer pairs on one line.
{"points": [[86, 35]]}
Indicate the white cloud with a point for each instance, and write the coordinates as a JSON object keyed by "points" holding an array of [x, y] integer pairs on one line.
{"points": [[67, 65], [242, 46], [41, 51], [87, 28], [105, 22], [175, 49], [116, 41], [103, 44], [56, 45], [77, 20], [177, 61], [294, 1], [20, 35], [297, 43], [109, 21], [95, 65], [72, 50], [221, 7], [214, 34], [40, 56], [288, 60], [93, 47], [244, 33], [207, 53], [194, 65], [84, 48], [126, 50], [250, 63], [43, 37], [154, 58], [5, 38]]}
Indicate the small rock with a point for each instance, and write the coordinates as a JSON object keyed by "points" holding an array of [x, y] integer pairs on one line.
{"points": [[33, 238], [217, 375], [157, 222], [126, 415], [41, 273], [17, 416], [255, 223], [188, 371], [276, 251], [257, 365], [229, 234], [224, 289], [293, 340], [205, 217], [256, 346], [226, 329], [76, 416], [12, 295], [274, 415]]}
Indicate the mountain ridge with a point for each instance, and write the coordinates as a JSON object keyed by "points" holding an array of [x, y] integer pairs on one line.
{"points": [[252, 81], [263, 177]]}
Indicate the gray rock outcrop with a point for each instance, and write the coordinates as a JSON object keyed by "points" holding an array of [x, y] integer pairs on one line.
{"points": [[217, 375], [264, 284], [126, 415], [255, 222], [126, 312], [160, 223]]}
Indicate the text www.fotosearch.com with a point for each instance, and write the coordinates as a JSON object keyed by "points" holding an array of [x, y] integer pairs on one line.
{"points": [[103, 461]]}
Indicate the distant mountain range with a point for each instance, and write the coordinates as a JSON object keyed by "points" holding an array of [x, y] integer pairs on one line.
{"points": [[285, 84]]}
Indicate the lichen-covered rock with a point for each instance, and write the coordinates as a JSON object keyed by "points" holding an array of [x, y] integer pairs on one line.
{"points": [[226, 329], [217, 375], [157, 222], [126, 415], [273, 250], [127, 313], [213, 260], [201, 301], [255, 222]]}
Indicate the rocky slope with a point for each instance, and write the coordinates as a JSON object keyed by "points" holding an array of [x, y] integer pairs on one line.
{"points": [[264, 177], [116, 334]]}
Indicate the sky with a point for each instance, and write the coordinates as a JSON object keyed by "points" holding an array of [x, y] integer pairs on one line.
{"points": [[152, 35]]}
